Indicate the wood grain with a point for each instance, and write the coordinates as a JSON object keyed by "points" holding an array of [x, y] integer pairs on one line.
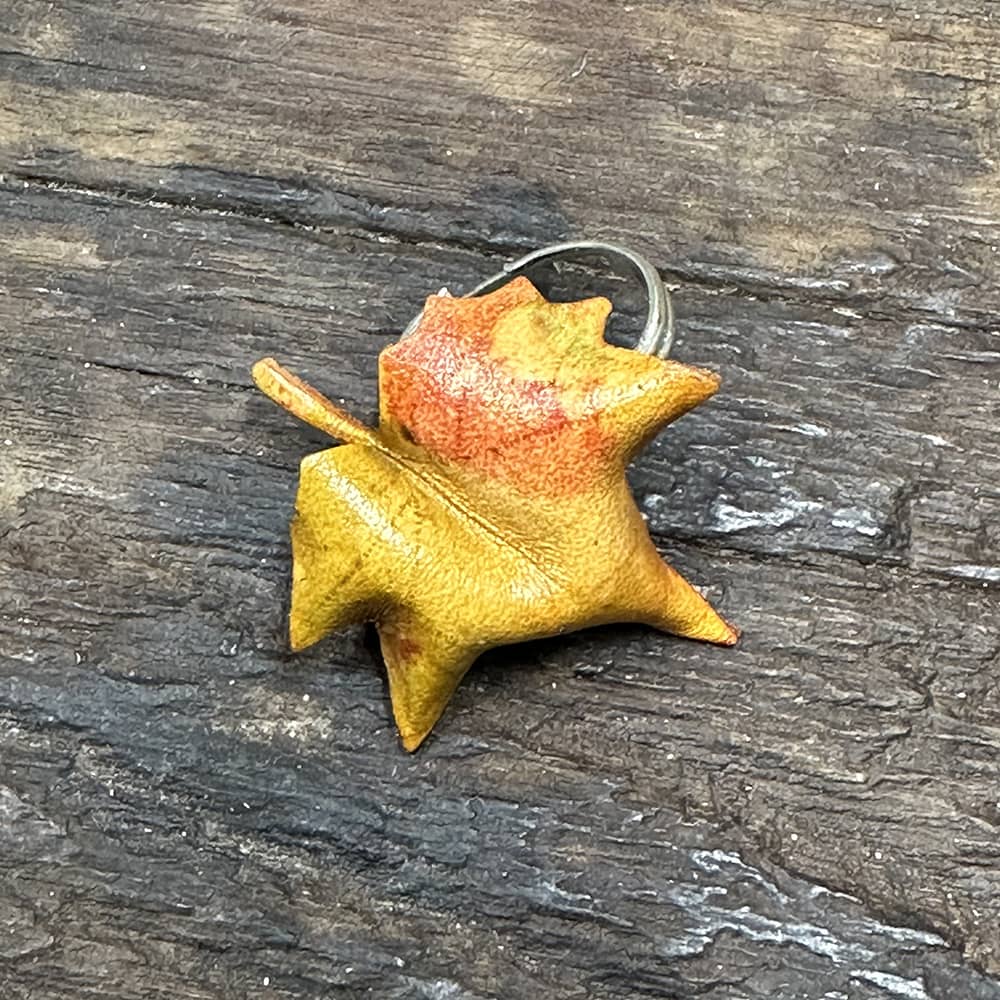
{"points": [[188, 810]]}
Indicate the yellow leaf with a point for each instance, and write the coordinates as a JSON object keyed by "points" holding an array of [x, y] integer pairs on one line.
{"points": [[490, 506]]}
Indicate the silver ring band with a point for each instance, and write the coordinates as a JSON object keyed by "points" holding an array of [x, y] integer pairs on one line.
{"points": [[658, 333]]}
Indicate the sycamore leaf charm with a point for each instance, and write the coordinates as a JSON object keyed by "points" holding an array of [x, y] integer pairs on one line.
{"points": [[490, 505]]}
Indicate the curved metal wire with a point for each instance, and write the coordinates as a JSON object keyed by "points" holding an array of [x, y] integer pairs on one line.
{"points": [[658, 333]]}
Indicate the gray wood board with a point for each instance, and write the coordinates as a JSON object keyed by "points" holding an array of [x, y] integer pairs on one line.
{"points": [[188, 810]]}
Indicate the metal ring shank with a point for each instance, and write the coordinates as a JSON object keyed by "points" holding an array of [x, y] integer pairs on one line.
{"points": [[658, 333]]}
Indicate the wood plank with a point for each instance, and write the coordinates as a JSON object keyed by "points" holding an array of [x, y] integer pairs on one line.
{"points": [[849, 158]]}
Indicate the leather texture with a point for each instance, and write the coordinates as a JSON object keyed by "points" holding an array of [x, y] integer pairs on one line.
{"points": [[490, 506]]}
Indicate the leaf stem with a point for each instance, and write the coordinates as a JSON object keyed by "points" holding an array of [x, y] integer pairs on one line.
{"points": [[311, 406]]}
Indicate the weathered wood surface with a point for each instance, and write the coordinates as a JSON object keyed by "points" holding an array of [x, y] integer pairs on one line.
{"points": [[188, 811]]}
